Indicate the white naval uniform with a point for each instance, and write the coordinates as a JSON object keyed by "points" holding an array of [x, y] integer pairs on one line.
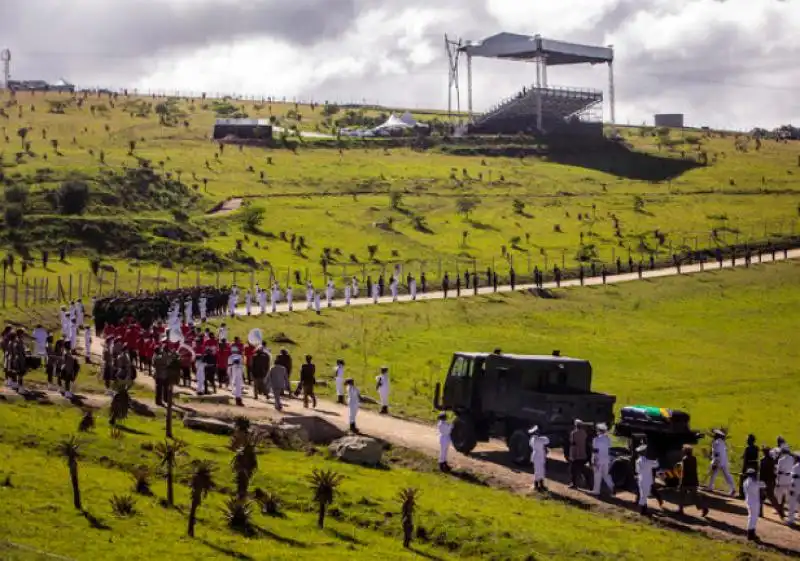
{"points": [[340, 380], [347, 294], [383, 388], [353, 403], [600, 462], [644, 476], [444, 428], [539, 446]]}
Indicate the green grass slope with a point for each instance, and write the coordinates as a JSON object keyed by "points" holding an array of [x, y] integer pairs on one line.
{"points": [[37, 515], [436, 209]]}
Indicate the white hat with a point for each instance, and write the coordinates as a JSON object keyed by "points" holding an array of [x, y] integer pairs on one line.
{"points": [[534, 430], [718, 432], [602, 427], [578, 422], [642, 449]]}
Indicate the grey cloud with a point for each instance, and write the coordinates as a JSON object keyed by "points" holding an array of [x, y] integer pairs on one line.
{"points": [[117, 37]]}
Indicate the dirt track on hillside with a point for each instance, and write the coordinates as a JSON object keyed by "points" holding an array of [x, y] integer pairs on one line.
{"points": [[727, 519]]}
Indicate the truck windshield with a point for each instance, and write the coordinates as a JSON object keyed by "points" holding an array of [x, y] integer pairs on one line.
{"points": [[461, 368]]}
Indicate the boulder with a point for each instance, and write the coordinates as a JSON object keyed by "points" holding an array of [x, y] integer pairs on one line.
{"points": [[142, 409], [318, 429], [209, 425], [367, 399], [286, 435], [218, 399], [360, 450]]}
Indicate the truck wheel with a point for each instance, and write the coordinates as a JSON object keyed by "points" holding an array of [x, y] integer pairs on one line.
{"points": [[621, 473], [463, 435], [519, 448]]}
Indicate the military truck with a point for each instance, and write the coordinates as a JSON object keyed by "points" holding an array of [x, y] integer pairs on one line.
{"points": [[504, 395]]}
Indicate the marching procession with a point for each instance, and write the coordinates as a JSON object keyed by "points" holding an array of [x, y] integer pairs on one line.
{"points": [[166, 336]]}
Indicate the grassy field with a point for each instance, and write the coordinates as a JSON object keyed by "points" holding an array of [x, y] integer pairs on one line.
{"points": [[363, 523], [721, 345], [410, 205]]}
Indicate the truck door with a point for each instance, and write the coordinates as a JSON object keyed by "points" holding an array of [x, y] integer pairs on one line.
{"points": [[458, 385]]}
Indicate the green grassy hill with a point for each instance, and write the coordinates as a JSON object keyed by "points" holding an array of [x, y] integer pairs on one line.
{"points": [[38, 520], [129, 181]]}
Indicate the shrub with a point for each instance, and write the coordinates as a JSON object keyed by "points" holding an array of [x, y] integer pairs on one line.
{"points": [[123, 505], [17, 194], [14, 216], [73, 197], [180, 215], [252, 218]]}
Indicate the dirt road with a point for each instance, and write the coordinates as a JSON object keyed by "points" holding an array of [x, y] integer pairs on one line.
{"points": [[227, 207], [300, 305]]}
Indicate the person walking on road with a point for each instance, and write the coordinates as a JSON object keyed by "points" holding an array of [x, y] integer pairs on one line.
{"points": [[444, 429], [794, 491], [766, 472], [276, 382], [307, 381], [261, 360], [644, 477], [719, 462], [339, 377], [353, 403], [752, 498], [382, 386], [538, 444], [749, 460], [601, 458], [577, 454], [690, 482]]}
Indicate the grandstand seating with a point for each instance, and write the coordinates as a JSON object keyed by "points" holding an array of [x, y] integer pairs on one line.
{"points": [[562, 108]]}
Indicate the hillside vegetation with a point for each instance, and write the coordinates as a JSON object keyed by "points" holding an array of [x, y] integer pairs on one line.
{"points": [[130, 181], [363, 522]]}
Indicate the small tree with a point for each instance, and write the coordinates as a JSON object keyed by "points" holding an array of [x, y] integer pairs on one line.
{"points": [[245, 465], [408, 498], [396, 199], [70, 450], [168, 452], [324, 483], [252, 218], [200, 484], [73, 197], [465, 206], [131, 147], [54, 144], [14, 216], [519, 206], [372, 250], [22, 133]]}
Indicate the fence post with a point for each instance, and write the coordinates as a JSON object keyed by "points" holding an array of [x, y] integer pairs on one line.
{"points": [[178, 279], [100, 283], [35, 291], [80, 285], [26, 293], [70, 286], [60, 291], [4, 287], [47, 290], [16, 292], [115, 282], [158, 278], [89, 286]]}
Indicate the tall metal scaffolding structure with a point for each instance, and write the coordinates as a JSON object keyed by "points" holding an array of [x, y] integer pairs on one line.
{"points": [[5, 58], [453, 49]]}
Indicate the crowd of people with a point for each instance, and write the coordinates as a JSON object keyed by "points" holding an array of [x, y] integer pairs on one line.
{"points": [[768, 473]]}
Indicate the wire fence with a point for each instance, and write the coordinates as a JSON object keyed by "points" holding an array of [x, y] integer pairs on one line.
{"points": [[21, 290]]}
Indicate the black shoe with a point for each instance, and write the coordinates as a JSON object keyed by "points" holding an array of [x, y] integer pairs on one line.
{"points": [[340, 399], [353, 427], [751, 535], [705, 512], [643, 511], [239, 402], [384, 410], [443, 467]]}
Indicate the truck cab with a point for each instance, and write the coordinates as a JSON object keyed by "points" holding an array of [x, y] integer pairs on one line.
{"points": [[503, 395]]}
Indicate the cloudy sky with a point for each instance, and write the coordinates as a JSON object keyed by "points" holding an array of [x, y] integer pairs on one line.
{"points": [[731, 63]]}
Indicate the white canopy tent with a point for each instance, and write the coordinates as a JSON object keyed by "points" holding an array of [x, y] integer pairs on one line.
{"points": [[393, 123]]}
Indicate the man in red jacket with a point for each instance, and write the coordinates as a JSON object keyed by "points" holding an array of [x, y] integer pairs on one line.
{"points": [[223, 353], [249, 351]]}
